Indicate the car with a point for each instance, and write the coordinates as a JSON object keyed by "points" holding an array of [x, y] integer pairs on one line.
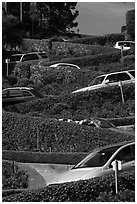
{"points": [[31, 56], [66, 65], [11, 96], [111, 79], [100, 163], [124, 45]]}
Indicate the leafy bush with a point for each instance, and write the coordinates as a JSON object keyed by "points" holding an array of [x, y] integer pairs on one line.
{"points": [[105, 102], [12, 79], [120, 121], [128, 60], [60, 50], [13, 179], [70, 158], [130, 23], [88, 60], [92, 190], [24, 132], [100, 40]]}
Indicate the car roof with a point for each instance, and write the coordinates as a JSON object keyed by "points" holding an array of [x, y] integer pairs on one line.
{"points": [[18, 88], [26, 53], [116, 72], [63, 63], [126, 41], [114, 145]]}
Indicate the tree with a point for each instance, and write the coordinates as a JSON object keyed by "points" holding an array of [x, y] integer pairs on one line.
{"points": [[59, 16], [11, 32], [130, 23]]}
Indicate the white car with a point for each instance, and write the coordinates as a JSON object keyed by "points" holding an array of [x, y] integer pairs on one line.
{"points": [[67, 65], [111, 79], [100, 163], [124, 45], [32, 56]]}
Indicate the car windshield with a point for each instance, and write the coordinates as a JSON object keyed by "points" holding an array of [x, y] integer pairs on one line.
{"points": [[42, 54], [37, 93], [126, 44], [133, 73], [15, 58], [97, 80], [97, 158]]}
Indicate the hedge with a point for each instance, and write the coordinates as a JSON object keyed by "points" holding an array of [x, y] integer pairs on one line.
{"points": [[88, 60], [13, 177], [92, 190], [27, 133], [105, 102], [120, 121], [44, 157], [73, 47], [101, 40], [130, 23], [22, 69]]}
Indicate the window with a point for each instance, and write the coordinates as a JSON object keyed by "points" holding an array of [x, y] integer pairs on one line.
{"points": [[16, 93], [27, 93], [132, 73], [126, 154], [43, 55], [5, 94], [30, 57], [118, 77], [97, 80], [125, 44], [97, 158], [15, 58]]}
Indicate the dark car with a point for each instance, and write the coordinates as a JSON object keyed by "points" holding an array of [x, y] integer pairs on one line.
{"points": [[11, 96]]}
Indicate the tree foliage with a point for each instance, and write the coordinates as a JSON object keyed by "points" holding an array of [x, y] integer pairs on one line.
{"points": [[59, 16], [11, 33], [130, 23]]}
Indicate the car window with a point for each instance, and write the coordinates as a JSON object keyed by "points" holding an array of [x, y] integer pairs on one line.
{"points": [[30, 57], [126, 154], [132, 73], [15, 58], [118, 77], [15, 93], [97, 80], [36, 93], [5, 94], [125, 44], [43, 55], [97, 158], [27, 93]]}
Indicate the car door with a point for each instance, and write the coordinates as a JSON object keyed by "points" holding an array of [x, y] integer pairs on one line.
{"points": [[16, 96], [5, 97], [114, 79]]}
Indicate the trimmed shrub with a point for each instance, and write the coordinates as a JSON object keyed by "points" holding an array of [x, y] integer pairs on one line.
{"points": [[42, 157], [12, 79], [92, 190], [27, 133], [128, 60], [120, 121], [58, 107], [105, 102], [109, 39], [13, 179], [88, 60]]}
